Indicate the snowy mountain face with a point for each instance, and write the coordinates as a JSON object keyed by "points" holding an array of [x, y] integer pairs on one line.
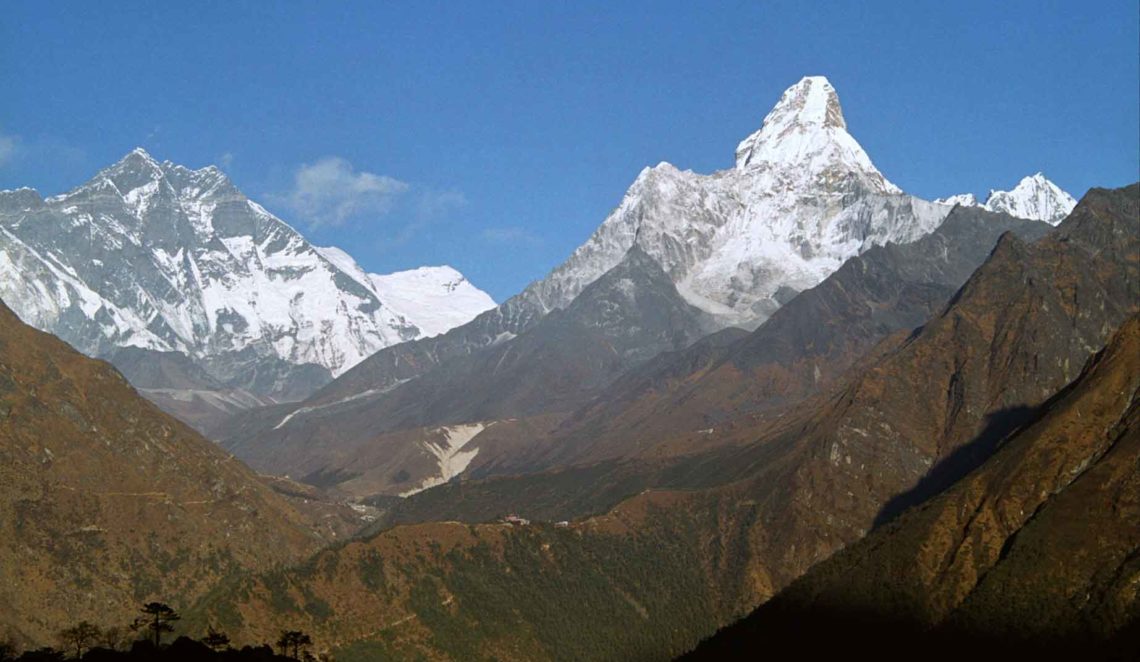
{"points": [[435, 299], [164, 258], [1035, 198], [802, 198]]}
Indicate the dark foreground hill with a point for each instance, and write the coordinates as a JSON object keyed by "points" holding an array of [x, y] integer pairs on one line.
{"points": [[183, 649]]}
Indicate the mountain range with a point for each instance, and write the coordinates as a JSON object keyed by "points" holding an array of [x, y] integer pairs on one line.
{"points": [[153, 261], [709, 534], [785, 394], [726, 250]]}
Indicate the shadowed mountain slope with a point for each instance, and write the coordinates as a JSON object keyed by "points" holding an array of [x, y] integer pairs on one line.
{"points": [[1036, 550]]}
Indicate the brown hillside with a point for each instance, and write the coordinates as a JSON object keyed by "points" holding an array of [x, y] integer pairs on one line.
{"points": [[1037, 547], [106, 502]]}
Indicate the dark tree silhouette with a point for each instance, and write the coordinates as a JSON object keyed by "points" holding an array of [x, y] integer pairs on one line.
{"points": [[294, 640], [157, 617], [80, 637], [216, 640], [115, 638]]}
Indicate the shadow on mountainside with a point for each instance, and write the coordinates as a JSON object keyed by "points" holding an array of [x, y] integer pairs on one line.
{"points": [[962, 461], [817, 632], [958, 464]]}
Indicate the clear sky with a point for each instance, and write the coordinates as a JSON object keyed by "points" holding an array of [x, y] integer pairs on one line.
{"points": [[495, 136]]}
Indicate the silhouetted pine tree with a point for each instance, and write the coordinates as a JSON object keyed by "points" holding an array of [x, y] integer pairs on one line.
{"points": [[157, 618], [294, 640]]}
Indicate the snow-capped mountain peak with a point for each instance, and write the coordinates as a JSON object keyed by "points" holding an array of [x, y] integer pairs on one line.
{"points": [[806, 130], [435, 299], [172, 259], [808, 107], [803, 198], [1035, 198]]}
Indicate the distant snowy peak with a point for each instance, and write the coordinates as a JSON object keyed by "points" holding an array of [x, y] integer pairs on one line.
{"points": [[1035, 198], [138, 175], [435, 299], [806, 131], [138, 187], [964, 199]]}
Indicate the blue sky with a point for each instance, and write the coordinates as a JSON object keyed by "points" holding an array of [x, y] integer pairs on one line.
{"points": [[496, 136]]}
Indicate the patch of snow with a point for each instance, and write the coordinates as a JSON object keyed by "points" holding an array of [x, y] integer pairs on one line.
{"points": [[964, 199], [301, 411], [453, 460]]}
